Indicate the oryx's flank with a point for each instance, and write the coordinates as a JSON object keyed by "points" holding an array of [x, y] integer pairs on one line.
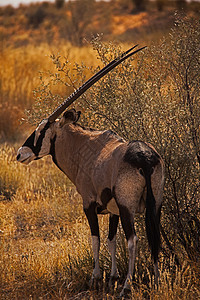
{"points": [[112, 176]]}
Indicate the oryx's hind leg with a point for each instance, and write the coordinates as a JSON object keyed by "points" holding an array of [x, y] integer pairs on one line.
{"points": [[157, 183], [94, 227], [127, 220], [113, 223], [129, 189], [156, 270]]}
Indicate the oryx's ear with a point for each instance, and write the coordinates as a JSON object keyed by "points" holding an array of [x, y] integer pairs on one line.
{"points": [[70, 116]]}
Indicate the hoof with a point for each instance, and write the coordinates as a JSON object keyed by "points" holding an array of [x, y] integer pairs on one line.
{"points": [[95, 283], [125, 292], [112, 281]]}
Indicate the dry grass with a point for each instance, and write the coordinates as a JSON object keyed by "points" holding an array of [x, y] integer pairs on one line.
{"points": [[45, 242], [20, 69], [20, 73]]}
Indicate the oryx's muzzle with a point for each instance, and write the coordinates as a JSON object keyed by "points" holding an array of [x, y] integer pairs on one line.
{"points": [[25, 155]]}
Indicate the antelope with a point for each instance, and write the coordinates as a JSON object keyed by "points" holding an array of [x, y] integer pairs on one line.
{"points": [[112, 176]]}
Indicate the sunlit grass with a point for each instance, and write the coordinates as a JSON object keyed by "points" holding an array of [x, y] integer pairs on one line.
{"points": [[46, 246], [20, 68], [20, 73]]}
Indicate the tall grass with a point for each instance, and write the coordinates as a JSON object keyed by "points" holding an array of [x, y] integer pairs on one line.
{"points": [[21, 70], [45, 244]]}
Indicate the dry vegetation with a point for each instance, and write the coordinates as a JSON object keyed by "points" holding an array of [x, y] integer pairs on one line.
{"points": [[45, 244]]}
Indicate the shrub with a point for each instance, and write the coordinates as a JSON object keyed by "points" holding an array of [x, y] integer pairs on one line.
{"points": [[36, 16], [157, 101], [59, 3], [81, 13]]}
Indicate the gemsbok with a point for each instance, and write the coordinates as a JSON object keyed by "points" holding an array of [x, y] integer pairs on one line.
{"points": [[111, 175]]}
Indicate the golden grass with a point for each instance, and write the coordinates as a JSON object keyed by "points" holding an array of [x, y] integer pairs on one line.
{"points": [[45, 244], [20, 68], [20, 74], [46, 247], [45, 239], [24, 69]]}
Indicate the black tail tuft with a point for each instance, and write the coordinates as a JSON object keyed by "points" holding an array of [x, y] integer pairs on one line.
{"points": [[152, 220]]}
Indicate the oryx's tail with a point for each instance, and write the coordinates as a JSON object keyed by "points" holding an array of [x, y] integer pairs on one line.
{"points": [[143, 157], [152, 219]]}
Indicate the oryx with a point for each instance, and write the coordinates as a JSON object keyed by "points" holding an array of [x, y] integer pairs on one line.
{"points": [[112, 176]]}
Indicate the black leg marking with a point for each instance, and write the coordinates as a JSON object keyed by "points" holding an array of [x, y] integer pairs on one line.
{"points": [[127, 221], [91, 215], [113, 223], [106, 196]]}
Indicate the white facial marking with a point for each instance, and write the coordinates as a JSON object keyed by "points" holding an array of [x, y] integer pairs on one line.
{"points": [[25, 155]]}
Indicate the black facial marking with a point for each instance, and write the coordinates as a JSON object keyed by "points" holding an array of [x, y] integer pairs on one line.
{"points": [[30, 141], [141, 156], [113, 223], [40, 139], [91, 215]]}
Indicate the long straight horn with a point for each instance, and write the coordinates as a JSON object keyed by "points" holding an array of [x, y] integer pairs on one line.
{"points": [[91, 81]]}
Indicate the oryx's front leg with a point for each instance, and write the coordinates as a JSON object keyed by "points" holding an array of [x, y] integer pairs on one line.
{"points": [[113, 223], [94, 227]]}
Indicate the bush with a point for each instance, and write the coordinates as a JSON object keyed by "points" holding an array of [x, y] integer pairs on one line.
{"points": [[157, 101], [81, 15], [36, 16], [59, 3]]}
